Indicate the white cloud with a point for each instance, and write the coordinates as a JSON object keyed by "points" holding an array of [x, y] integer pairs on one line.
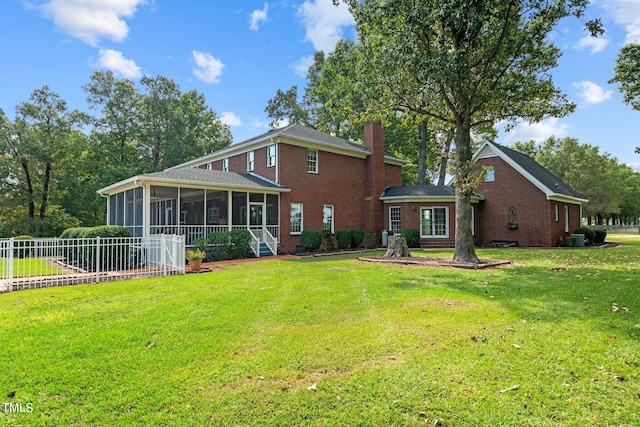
{"points": [[591, 93], [258, 16], [301, 68], [635, 166], [208, 69], [230, 119], [595, 44], [324, 23], [91, 20], [258, 124], [114, 61], [627, 14], [537, 131]]}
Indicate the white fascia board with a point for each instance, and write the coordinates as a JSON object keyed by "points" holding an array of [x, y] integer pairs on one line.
{"points": [[330, 148], [563, 198], [120, 186]]}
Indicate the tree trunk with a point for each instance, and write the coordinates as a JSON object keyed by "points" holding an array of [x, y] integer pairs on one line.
{"points": [[422, 154], [464, 249], [397, 248], [444, 161]]}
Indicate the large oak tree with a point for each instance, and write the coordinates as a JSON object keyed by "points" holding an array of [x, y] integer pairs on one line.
{"points": [[484, 60]]}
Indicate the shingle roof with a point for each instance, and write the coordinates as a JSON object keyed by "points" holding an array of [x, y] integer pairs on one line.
{"points": [[420, 191], [426, 191], [214, 177], [539, 172]]}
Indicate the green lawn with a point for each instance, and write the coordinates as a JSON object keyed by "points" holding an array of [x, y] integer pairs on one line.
{"points": [[29, 267], [553, 340]]}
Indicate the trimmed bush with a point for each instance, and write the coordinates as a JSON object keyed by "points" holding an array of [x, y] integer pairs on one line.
{"points": [[344, 239], [218, 246], [357, 236], [412, 236], [310, 240], [73, 233], [241, 242], [600, 235], [571, 241], [589, 233]]}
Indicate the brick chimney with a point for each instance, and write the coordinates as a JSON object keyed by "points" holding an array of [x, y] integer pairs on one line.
{"points": [[373, 215]]}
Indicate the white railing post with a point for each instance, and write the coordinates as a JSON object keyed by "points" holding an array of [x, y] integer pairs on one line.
{"points": [[10, 266], [163, 250], [98, 259]]}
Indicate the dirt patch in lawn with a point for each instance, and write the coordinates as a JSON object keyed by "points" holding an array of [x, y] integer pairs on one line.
{"points": [[437, 262]]}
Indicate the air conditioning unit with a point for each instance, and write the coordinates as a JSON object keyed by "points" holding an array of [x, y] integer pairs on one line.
{"points": [[579, 239]]}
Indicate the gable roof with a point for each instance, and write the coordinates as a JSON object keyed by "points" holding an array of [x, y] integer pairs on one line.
{"points": [[537, 174], [200, 177], [294, 134]]}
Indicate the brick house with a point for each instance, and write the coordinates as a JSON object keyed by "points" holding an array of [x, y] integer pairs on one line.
{"points": [[287, 180]]}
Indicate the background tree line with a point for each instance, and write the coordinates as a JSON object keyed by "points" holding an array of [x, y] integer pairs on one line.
{"points": [[54, 160]]}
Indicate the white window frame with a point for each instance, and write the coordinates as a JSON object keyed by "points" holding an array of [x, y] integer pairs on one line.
{"points": [[250, 160], [225, 165], [312, 161], [271, 156], [395, 220], [557, 213], [566, 219], [330, 219], [490, 175], [209, 166], [473, 220], [299, 221], [432, 234]]}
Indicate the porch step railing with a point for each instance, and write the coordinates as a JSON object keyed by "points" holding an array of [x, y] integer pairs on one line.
{"points": [[38, 263], [264, 236]]}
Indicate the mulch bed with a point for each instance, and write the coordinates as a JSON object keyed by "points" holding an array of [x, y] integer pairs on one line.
{"points": [[437, 262]]}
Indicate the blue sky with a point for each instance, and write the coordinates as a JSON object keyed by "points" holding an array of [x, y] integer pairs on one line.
{"points": [[238, 53]]}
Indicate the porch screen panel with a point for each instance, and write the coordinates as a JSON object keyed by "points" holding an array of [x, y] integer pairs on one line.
{"points": [[217, 207], [164, 208], [120, 211], [191, 206], [239, 208], [113, 208], [129, 212], [272, 209], [139, 215]]}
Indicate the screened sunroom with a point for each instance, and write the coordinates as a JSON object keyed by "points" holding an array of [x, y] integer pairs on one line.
{"points": [[196, 202]]}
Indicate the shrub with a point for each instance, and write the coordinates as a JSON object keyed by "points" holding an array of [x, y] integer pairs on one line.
{"points": [[571, 241], [310, 240], [412, 236], [218, 246], [371, 238], [357, 236], [589, 233], [344, 239], [241, 242], [326, 234], [113, 252], [73, 233], [600, 235]]}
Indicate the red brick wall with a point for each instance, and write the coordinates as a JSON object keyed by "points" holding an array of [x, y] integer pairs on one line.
{"points": [[339, 182], [392, 175], [535, 214]]}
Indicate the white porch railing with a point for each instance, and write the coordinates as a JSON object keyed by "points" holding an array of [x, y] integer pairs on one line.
{"points": [[38, 263], [264, 236], [192, 232]]}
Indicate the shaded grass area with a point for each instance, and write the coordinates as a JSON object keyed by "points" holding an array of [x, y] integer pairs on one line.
{"points": [[383, 344]]}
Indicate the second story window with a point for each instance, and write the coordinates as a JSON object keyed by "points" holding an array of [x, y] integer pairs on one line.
{"points": [[225, 165], [250, 161], [490, 175], [312, 161], [271, 156]]}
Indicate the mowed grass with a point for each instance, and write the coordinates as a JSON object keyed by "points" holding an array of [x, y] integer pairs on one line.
{"points": [[552, 340], [28, 267]]}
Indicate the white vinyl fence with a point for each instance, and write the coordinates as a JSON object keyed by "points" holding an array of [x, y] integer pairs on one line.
{"points": [[39, 263]]}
